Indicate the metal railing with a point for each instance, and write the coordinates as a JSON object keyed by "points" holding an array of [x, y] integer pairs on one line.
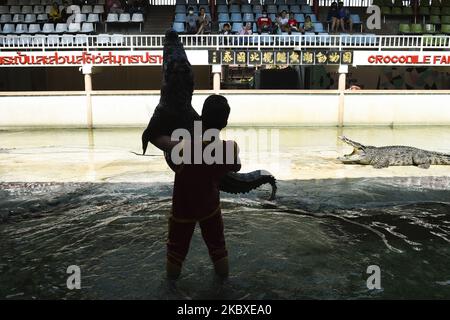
{"points": [[347, 3], [257, 42]]}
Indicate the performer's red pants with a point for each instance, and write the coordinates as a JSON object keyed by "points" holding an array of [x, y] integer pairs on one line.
{"points": [[180, 234]]}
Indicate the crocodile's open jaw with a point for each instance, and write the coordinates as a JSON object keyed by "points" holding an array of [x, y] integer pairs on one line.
{"points": [[357, 154]]}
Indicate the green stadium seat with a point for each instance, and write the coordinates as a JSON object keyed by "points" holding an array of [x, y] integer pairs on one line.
{"points": [[435, 20], [445, 11], [378, 3], [407, 11], [445, 3], [404, 28], [388, 3], [396, 11], [424, 11], [416, 28], [435, 11], [435, 3], [424, 3], [445, 19], [398, 3], [445, 28], [385, 11]]}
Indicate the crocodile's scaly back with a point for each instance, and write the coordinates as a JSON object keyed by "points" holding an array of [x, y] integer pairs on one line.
{"points": [[382, 157]]}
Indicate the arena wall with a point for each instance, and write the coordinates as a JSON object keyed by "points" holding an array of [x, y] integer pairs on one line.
{"points": [[249, 107]]}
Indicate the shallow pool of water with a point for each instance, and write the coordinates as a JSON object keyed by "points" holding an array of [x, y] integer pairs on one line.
{"points": [[68, 197]]}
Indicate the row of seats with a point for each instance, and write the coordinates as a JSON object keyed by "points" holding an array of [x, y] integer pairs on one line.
{"points": [[86, 9], [125, 17], [33, 18], [28, 23], [248, 9], [409, 11], [417, 28], [42, 2], [249, 17], [64, 40], [237, 26], [440, 20], [253, 2], [258, 9], [422, 3], [86, 27]]}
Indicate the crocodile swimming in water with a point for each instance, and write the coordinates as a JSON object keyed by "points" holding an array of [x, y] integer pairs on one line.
{"points": [[383, 157], [175, 111]]}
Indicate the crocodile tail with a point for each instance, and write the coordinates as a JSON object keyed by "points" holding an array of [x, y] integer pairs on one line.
{"points": [[235, 182]]}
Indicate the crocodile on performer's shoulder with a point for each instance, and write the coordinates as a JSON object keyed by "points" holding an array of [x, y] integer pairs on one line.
{"points": [[175, 111]]}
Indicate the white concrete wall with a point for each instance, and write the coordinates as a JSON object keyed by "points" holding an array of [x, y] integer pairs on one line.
{"points": [[397, 109], [31, 110], [257, 108]]}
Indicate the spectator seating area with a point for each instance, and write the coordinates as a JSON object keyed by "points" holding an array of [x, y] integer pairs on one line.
{"points": [[433, 16], [237, 15], [32, 17], [66, 39]]}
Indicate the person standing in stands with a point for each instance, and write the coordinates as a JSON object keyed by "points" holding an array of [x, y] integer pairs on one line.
{"points": [[344, 17], [191, 22], [264, 23], [333, 16], [204, 22]]}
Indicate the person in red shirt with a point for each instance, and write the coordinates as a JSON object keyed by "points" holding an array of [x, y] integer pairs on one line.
{"points": [[264, 23], [293, 23], [196, 196]]}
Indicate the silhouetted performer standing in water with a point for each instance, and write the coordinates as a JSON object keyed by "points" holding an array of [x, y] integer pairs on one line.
{"points": [[175, 111]]}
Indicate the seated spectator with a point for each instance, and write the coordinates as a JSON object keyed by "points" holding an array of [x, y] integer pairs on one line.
{"points": [[333, 16], [293, 23], [64, 14], [226, 29], [264, 23], [204, 22], [344, 17], [114, 6], [136, 6], [308, 25], [191, 22], [246, 29], [54, 15], [282, 21]]}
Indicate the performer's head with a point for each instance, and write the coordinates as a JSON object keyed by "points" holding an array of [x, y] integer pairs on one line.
{"points": [[215, 112]]}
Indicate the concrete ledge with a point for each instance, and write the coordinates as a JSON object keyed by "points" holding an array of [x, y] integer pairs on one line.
{"points": [[249, 107]]}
